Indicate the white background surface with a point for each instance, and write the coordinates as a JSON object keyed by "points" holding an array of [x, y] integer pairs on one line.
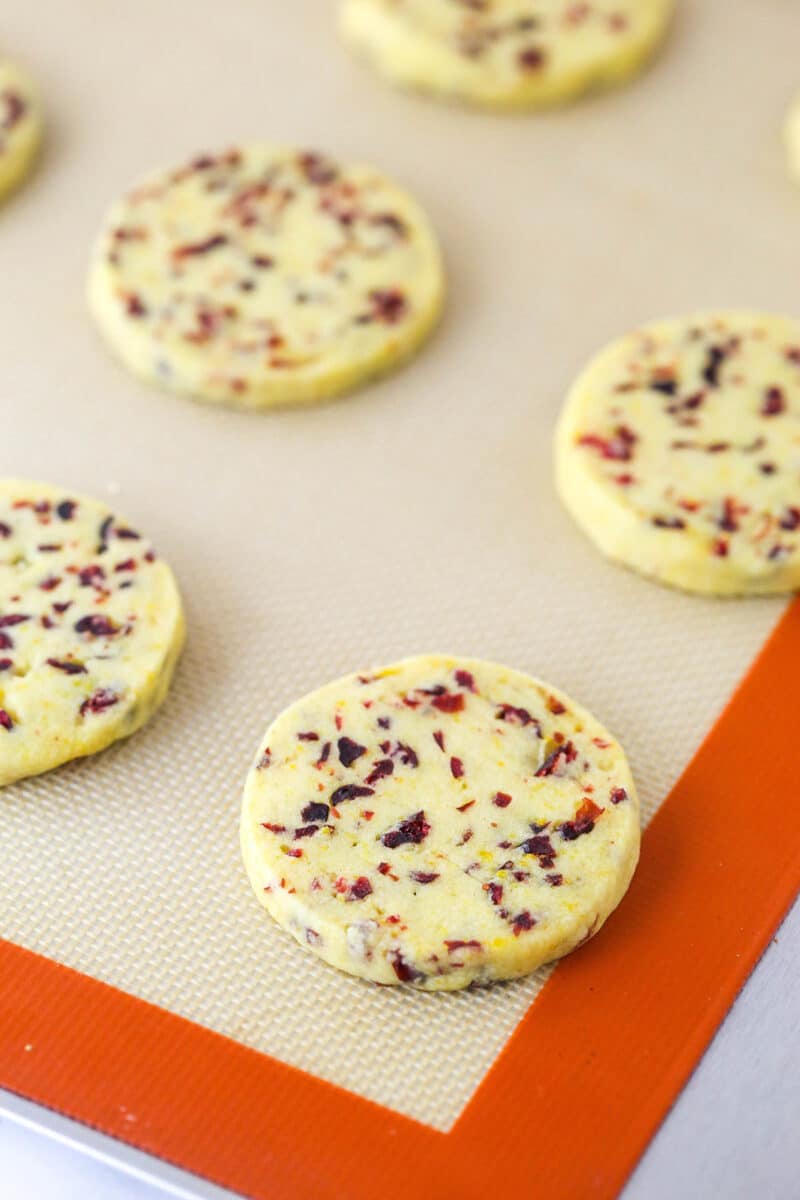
{"points": [[733, 1134]]}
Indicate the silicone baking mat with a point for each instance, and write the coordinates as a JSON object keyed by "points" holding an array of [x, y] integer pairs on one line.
{"points": [[417, 515]]}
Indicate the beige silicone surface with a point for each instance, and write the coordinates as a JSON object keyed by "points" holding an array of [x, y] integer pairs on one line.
{"points": [[418, 515]]}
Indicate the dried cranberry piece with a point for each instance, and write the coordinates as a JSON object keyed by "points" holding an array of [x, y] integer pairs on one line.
{"points": [[501, 799], [315, 811], [97, 626], [728, 520], [273, 828], [539, 845], [103, 535], [774, 402], [556, 759], [265, 760], [403, 969], [6, 642], [458, 944], [466, 680], [350, 791], [555, 706], [411, 831], [424, 876], [584, 822], [456, 768], [522, 922], [554, 880], [308, 737], [66, 510], [6, 663], [99, 701], [438, 737], [50, 584], [532, 59], [193, 248], [67, 666], [305, 831], [317, 169], [618, 795], [716, 357], [407, 756], [5, 720], [449, 702], [380, 769], [13, 619], [790, 519], [495, 891], [618, 448], [669, 522], [5, 530], [384, 722], [91, 576], [667, 387], [323, 758], [349, 751], [516, 716], [388, 305]]}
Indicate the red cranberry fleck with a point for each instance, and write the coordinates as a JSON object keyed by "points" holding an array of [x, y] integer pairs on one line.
{"points": [[456, 768], [522, 922], [532, 58], [554, 880], [720, 548], [384, 868], [464, 807], [388, 305], [412, 831], [5, 720], [273, 828], [66, 510], [308, 737], [449, 702], [502, 799], [99, 701], [316, 811], [774, 403], [13, 619], [349, 751], [193, 248], [305, 831], [495, 891], [424, 876], [558, 758], [465, 679], [323, 758], [438, 737], [555, 706], [350, 791], [67, 666], [403, 970], [6, 642], [97, 626], [457, 944], [618, 795], [382, 768], [516, 716], [669, 522], [6, 664], [790, 519]]}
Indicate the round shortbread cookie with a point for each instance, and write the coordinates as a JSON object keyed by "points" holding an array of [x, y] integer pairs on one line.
{"points": [[791, 137], [506, 54], [264, 276], [91, 627], [439, 822], [20, 125], [678, 452]]}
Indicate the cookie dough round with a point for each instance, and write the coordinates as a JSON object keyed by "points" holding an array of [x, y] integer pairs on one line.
{"points": [[91, 627], [678, 452], [791, 135], [506, 54], [439, 822], [20, 125], [264, 276]]}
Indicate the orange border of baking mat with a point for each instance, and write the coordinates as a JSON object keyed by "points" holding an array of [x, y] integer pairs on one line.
{"points": [[580, 1087]]}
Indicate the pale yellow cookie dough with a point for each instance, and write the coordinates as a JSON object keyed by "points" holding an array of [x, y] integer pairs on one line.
{"points": [[791, 136], [506, 54], [91, 627], [439, 822], [264, 276], [678, 452], [20, 125]]}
